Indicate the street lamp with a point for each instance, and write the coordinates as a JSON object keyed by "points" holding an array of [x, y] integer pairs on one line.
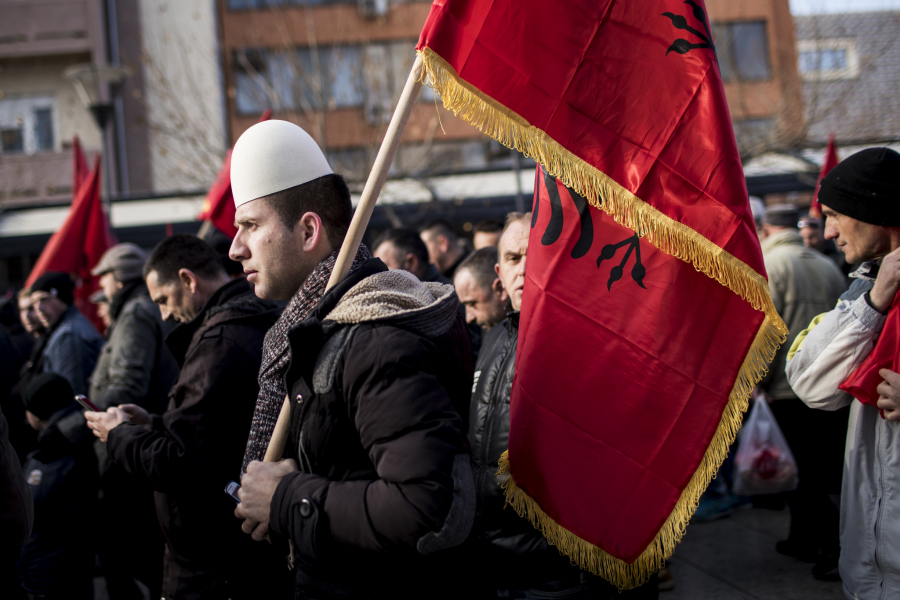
{"points": [[88, 80]]}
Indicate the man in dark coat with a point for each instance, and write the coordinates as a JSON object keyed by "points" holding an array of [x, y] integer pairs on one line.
{"points": [[190, 452], [134, 367], [507, 552], [16, 507], [378, 484], [57, 561]]}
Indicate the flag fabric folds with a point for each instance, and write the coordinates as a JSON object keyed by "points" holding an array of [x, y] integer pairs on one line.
{"points": [[830, 162], [218, 207], [646, 317], [79, 243]]}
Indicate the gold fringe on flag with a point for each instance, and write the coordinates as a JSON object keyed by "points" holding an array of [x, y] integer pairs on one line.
{"points": [[669, 236]]}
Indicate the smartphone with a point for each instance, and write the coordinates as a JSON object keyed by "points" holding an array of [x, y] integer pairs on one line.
{"points": [[87, 404], [232, 489]]}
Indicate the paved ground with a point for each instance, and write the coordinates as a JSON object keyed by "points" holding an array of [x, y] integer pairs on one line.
{"points": [[734, 559]]}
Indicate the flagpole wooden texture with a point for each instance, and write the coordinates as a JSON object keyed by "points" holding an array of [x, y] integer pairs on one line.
{"points": [[360, 221]]}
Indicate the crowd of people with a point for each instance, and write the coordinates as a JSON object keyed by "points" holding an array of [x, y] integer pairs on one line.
{"points": [[398, 380]]}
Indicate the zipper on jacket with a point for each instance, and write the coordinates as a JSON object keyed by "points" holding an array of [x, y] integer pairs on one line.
{"points": [[880, 513]]}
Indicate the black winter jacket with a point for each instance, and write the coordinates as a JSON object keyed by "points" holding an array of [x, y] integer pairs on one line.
{"points": [[62, 479], [195, 448], [385, 483], [508, 552]]}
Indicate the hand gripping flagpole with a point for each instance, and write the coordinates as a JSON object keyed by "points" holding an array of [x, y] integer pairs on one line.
{"points": [[359, 223]]}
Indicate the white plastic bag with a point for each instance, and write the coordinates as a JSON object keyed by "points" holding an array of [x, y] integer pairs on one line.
{"points": [[764, 463]]}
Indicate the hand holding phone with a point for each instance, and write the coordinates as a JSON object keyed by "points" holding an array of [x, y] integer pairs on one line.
{"points": [[87, 404]]}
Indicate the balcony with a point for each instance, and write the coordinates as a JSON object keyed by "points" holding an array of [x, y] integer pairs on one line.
{"points": [[48, 27]]}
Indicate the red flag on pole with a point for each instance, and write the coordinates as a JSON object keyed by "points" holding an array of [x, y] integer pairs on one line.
{"points": [[80, 169], [646, 317], [79, 243], [219, 204], [830, 162]]}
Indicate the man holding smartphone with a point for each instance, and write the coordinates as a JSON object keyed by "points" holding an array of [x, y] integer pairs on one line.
{"points": [[190, 452]]}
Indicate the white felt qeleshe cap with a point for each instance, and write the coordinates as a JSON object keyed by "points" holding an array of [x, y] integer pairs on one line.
{"points": [[273, 156]]}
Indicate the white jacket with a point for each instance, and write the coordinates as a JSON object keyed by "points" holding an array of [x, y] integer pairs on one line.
{"points": [[821, 358]]}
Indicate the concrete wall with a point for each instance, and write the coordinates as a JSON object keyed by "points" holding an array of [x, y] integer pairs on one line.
{"points": [[183, 93]]}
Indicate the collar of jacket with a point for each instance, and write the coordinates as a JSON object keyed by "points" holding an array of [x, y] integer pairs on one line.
{"points": [[128, 291], [311, 331], [867, 271], [180, 339], [787, 237], [65, 316]]}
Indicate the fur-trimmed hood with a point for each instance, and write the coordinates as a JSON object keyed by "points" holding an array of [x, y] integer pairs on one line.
{"points": [[400, 299]]}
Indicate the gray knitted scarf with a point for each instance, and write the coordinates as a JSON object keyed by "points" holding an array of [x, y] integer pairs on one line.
{"points": [[277, 354]]}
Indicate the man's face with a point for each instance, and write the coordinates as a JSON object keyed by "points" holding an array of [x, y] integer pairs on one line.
{"points": [[49, 308], [110, 285], [857, 240], [175, 300], [484, 239], [512, 249], [271, 254], [812, 237], [484, 306], [436, 244], [28, 315]]}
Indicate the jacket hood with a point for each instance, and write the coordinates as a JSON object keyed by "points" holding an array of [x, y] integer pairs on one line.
{"points": [[398, 298]]}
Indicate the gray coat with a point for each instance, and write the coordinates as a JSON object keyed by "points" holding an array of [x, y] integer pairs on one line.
{"points": [[803, 283], [135, 365]]}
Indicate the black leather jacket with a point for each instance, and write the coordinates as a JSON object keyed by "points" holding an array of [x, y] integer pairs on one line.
{"points": [[509, 551]]}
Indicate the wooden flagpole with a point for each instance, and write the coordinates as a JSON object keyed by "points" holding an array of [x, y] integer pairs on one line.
{"points": [[359, 223]]}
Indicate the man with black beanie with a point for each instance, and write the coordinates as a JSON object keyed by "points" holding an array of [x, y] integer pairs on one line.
{"points": [[861, 200], [57, 560], [73, 344]]}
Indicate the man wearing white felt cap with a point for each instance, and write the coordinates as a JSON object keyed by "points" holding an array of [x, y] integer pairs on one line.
{"points": [[378, 371]]}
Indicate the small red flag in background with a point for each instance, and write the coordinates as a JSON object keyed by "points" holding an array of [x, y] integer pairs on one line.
{"points": [[80, 169], [79, 243], [219, 204], [646, 317], [830, 162]]}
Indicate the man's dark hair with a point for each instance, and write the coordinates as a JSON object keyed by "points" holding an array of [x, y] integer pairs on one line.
{"points": [[328, 197], [481, 265], [441, 227], [183, 251], [489, 226], [406, 241]]}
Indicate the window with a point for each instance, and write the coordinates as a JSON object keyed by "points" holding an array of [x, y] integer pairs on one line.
{"points": [[27, 125], [743, 51], [43, 129], [370, 76], [822, 60]]}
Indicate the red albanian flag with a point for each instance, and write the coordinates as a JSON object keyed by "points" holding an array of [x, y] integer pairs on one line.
{"points": [[830, 162], [78, 245], [646, 317], [219, 204]]}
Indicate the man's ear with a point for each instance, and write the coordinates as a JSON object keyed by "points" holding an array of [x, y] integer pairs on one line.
{"points": [[188, 280], [411, 263], [444, 243], [497, 271], [309, 232], [499, 290]]}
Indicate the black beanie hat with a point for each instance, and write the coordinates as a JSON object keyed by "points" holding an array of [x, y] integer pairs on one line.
{"points": [[46, 394], [865, 187], [56, 284]]}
